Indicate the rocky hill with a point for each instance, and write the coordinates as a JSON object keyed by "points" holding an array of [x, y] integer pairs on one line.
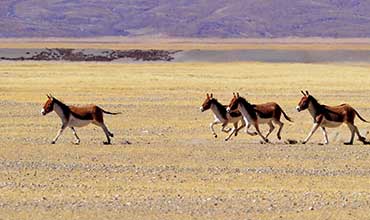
{"points": [[185, 18]]}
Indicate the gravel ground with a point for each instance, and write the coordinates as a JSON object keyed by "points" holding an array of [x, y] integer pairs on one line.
{"points": [[164, 162]]}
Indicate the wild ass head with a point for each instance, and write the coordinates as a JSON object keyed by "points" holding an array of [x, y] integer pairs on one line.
{"points": [[304, 102], [234, 103], [49, 105], [207, 102]]}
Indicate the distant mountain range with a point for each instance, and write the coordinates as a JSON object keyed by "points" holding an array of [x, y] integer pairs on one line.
{"points": [[185, 18]]}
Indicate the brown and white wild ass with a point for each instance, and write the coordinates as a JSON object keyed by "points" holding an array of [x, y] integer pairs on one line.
{"points": [[330, 116], [259, 114], [222, 116], [73, 116]]}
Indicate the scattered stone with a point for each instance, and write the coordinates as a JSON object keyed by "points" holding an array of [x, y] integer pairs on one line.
{"points": [[291, 141], [126, 142]]}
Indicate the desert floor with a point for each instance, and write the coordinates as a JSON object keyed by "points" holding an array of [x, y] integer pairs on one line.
{"points": [[174, 168]]}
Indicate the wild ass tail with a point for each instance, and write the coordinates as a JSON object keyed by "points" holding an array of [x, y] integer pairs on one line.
{"points": [[111, 113], [285, 115], [361, 118]]}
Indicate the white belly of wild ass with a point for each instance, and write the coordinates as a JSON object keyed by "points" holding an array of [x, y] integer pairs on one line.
{"points": [[263, 120], [330, 124], [75, 122]]}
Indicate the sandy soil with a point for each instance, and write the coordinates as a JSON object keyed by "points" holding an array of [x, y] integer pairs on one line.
{"points": [[174, 168]]}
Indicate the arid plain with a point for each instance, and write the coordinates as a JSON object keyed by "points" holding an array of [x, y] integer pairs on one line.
{"points": [[174, 168]]}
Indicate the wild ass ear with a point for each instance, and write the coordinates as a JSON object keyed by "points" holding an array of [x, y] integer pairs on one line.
{"points": [[237, 95], [211, 95], [207, 95], [307, 93], [49, 96], [303, 93], [234, 94]]}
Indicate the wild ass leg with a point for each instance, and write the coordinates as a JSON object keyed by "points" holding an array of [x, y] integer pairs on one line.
{"points": [[314, 128], [234, 130], [272, 127], [224, 129], [249, 132], [77, 141], [326, 139], [59, 133], [241, 127], [259, 132], [108, 134], [360, 138], [354, 130], [211, 127], [281, 125]]}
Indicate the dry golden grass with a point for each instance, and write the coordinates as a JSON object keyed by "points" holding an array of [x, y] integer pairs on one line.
{"points": [[174, 169]]}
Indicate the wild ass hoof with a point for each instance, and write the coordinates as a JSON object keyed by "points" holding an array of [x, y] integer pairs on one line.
{"points": [[348, 143], [53, 142], [76, 142], [363, 140], [111, 134], [215, 135], [279, 137], [303, 142], [106, 143]]}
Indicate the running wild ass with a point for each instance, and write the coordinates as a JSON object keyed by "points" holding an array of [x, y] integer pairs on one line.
{"points": [[221, 116], [259, 114], [330, 116], [73, 116]]}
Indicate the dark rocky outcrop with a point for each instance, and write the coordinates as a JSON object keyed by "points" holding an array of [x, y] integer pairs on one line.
{"points": [[62, 54]]}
